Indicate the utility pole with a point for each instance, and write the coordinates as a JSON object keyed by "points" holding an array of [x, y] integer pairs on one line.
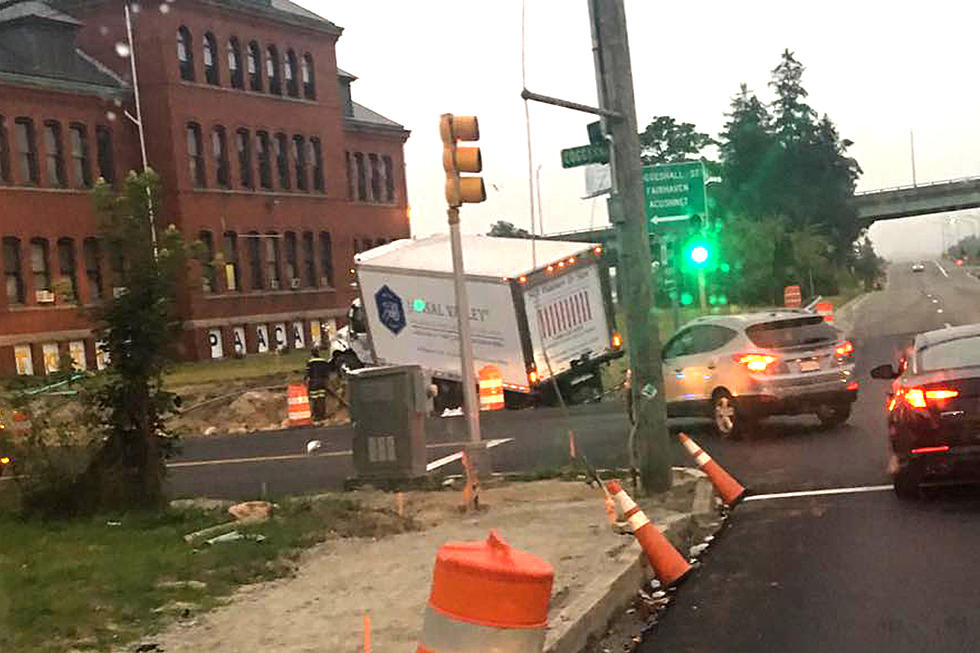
{"points": [[614, 82]]}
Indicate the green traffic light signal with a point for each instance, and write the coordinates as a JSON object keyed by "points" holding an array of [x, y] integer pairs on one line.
{"points": [[699, 254], [687, 299]]}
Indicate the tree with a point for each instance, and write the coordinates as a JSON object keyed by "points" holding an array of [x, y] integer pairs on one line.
{"points": [[868, 266], [139, 328], [666, 141], [748, 157], [504, 229]]}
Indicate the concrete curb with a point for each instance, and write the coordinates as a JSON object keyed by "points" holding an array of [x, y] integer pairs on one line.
{"points": [[844, 315], [591, 613]]}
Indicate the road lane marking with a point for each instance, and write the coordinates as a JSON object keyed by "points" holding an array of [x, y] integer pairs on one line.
{"points": [[941, 269], [939, 310], [947, 325], [816, 493], [445, 460]]}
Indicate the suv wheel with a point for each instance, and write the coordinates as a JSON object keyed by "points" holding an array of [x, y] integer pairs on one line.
{"points": [[725, 415], [834, 414], [906, 485]]}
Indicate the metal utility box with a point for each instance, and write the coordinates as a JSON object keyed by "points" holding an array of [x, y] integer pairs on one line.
{"points": [[388, 407]]}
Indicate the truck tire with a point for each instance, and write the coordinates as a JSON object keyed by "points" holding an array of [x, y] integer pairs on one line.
{"points": [[587, 392]]}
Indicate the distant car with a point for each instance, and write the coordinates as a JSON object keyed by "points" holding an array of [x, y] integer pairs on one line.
{"points": [[934, 410], [918, 267], [738, 369]]}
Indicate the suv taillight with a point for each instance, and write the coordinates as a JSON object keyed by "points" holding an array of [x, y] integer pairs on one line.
{"points": [[921, 398], [844, 349], [755, 362]]}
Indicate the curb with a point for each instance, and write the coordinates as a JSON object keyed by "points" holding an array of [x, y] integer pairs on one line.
{"points": [[591, 613], [844, 321]]}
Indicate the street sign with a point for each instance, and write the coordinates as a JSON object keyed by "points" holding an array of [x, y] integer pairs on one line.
{"points": [[584, 155], [792, 297], [594, 130], [674, 191]]}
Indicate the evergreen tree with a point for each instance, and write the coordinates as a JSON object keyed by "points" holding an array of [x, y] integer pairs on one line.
{"points": [[666, 141]]}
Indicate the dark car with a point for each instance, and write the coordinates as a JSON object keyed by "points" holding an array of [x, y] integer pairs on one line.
{"points": [[934, 410]]}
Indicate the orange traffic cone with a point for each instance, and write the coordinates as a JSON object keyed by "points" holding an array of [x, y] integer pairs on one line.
{"points": [[669, 565], [730, 490]]}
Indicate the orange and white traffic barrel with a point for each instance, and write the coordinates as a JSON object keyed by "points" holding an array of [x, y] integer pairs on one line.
{"points": [[827, 310], [487, 596], [298, 405], [491, 388]]}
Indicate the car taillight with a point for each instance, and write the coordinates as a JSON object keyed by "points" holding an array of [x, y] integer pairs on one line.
{"points": [[617, 340], [920, 398], [942, 448], [532, 376], [755, 362], [844, 349], [4, 460]]}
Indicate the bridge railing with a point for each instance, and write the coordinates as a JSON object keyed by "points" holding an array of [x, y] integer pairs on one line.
{"points": [[915, 186]]}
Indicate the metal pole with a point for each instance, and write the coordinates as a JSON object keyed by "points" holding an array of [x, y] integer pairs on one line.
{"points": [[537, 176], [614, 81], [912, 149], [702, 291], [139, 122], [470, 406]]}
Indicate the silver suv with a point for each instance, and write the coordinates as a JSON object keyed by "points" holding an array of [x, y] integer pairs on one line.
{"points": [[738, 369]]}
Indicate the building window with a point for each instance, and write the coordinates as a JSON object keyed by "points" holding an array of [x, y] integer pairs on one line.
{"points": [[117, 264], [306, 70], [81, 167], [389, 169], [254, 66], [230, 249], [362, 192], [326, 259], [40, 271], [265, 159], [272, 262], [350, 176], [317, 151], [272, 70], [66, 266], [185, 54], [219, 149], [207, 265], [309, 263], [11, 271], [255, 260], [210, 59], [292, 82], [93, 267], [103, 144], [292, 271], [235, 63], [300, 163], [282, 160], [4, 153], [243, 143], [376, 181], [26, 150], [54, 154], [195, 155]]}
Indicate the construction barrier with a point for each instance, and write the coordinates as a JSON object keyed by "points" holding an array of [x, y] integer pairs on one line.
{"points": [[491, 388], [827, 310], [487, 596], [792, 297], [21, 422], [668, 564], [299, 405], [730, 490]]}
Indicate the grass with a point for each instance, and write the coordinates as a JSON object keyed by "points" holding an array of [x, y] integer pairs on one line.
{"points": [[89, 585], [253, 366]]}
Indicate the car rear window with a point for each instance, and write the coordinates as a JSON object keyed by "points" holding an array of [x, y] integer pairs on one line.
{"points": [[794, 332], [961, 352]]}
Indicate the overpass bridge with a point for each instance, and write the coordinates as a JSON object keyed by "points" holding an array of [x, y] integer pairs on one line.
{"points": [[872, 206]]}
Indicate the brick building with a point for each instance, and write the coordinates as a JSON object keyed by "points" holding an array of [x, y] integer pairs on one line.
{"points": [[264, 157]]}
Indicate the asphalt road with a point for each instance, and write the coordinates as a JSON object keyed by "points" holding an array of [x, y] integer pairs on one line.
{"points": [[852, 571]]}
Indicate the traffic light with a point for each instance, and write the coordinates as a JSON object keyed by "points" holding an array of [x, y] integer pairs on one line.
{"points": [[698, 253], [456, 159]]}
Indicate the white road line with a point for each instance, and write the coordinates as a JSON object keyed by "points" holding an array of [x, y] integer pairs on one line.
{"points": [[453, 457], [945, 273], [947, 325], [817, 493], [939, 311]]}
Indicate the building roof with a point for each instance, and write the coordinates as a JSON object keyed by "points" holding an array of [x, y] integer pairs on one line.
{"points": [[365, 115], [284, 10], [37, 48], [486, 256], [345, 74]]}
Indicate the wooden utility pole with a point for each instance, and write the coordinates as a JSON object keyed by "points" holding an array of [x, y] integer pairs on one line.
{"points": [[614, 80]]}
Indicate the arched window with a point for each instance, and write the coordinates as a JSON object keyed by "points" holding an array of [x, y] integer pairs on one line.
{"points": [[292, 83], [219, 149], [263, 147], [326, 260], [254, 67], [210, 59], [195, 155], [281, 146], [5, 176], [185, 54], [235, 63], [316, 150], [272, 70], [300, 163], [306, 70], [66, 267], [243, 144]]}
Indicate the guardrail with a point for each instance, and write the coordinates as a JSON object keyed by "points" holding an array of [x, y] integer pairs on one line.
{"points": [[927, 184]]}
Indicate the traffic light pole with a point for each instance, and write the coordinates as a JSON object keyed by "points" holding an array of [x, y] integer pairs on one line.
{"points": [[470, 406], [614, 80]]}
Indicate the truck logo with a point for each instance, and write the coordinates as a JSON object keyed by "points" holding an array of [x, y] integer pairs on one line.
{"points": [[390, 309]]}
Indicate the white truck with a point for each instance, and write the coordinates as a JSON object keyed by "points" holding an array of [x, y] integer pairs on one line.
{"points": [[539, 311]]}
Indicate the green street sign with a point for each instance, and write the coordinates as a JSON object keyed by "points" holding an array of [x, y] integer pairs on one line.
{"points": [[594, 129], [584, 155], [674, 191]]}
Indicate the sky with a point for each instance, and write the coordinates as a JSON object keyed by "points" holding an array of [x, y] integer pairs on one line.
{"points": [[877, 70]]}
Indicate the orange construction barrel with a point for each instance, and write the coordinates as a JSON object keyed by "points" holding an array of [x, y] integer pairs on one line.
{"points": [[298, 407], [491, 388], [487, 596], [792, 297], [827, 310]]}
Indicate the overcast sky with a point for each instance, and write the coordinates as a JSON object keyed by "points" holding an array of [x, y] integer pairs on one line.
{"points": [[877, 69]]}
